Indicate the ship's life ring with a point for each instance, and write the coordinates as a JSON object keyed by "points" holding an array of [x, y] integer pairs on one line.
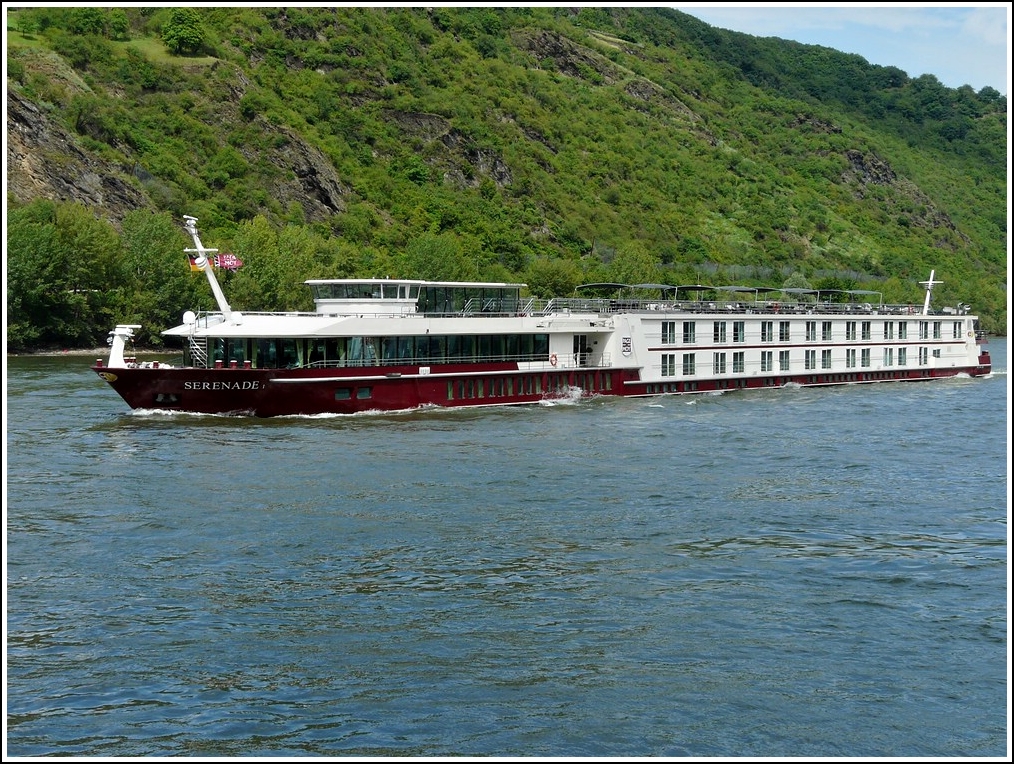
{"points": [[971, 334], [552, 359]]}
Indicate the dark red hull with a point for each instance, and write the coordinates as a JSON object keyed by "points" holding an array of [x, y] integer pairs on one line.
{"points": [[279, 392]]}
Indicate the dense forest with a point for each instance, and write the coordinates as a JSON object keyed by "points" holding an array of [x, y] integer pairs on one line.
{"points": [[551, 146]]}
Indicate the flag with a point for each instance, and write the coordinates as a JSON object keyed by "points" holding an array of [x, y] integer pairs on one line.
{"points": [[193, 264], [228, 261]]}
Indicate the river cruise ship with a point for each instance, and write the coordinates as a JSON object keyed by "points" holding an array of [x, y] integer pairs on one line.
{"points": [[395, 344]]}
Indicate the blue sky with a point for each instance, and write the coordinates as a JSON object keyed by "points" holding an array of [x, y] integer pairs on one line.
{"points": [[959, 43]]}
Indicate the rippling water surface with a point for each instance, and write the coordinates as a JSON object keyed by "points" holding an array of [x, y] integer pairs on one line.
{"points": [[790, 572]]}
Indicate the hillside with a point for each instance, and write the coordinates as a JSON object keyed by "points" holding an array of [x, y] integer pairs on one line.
{"points": [[548, 145]]}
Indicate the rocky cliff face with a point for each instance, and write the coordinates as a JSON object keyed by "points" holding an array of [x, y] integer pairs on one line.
{"points": [[45, 161]]}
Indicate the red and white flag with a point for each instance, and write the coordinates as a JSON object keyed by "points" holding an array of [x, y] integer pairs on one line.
{"points": [[227, 261]]}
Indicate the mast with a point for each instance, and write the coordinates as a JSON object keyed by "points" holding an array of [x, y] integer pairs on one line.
{"points": [[929, 288], [204, 264]]}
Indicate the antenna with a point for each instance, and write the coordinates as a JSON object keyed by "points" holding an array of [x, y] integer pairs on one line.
{"points": [[929, 288]]}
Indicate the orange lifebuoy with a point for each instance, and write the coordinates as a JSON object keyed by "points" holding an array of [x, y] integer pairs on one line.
{"points": [[552, 360]]}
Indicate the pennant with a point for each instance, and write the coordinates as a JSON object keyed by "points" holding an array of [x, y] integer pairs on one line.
{"points": [[228, 261]]}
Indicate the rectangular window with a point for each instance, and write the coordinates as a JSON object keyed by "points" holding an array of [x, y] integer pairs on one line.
{"points": [[783, 360], [923, 356], [364, 392], [924, 330], [936, 330], [956, 329], [825, 331], [850, 331], [866, 330], [903, 330], [888, 357], [689, 332], [767, 358], [864, 358], [850, 358], [689, 363], [738, 362], [902, 356], [825, 359], [342, 394], [719, 363], [783, 331], [738, 331], [888, 330], [811, 331], [719, 332], [668, 364], [810, 359], [767, 331], [668, 332]]}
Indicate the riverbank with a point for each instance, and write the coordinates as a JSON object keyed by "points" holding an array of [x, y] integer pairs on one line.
{"points": [[96, 352]]}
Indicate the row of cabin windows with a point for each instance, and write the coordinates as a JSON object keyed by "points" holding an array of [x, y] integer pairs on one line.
{"points": [[369, 351], [853, 330], [765, 361], [501, 387]]}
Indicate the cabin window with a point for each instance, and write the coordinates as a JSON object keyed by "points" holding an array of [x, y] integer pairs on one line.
{"points": [[689, 332], [811, 331], [783, 331], [850, 358], [810, 359], [342, 393], [888, 330], [956, 329], [668, 332], [923, 356], [718, 363], [364, 392], [936, 330], [783, 360], [668, 364], [864, 358], [888, 357], [767, 331], [825, 331], [825, 359], [719, 334], [767, 359], [850, 331], [689, 363], [738, 331], [903, 330], [738, 362], [902, 356], [866, 330]]}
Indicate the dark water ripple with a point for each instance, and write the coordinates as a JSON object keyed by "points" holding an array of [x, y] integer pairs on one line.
{"points": [[784, 573]]}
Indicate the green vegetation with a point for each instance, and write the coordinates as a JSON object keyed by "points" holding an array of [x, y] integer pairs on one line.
{"points": [[544, 145]]}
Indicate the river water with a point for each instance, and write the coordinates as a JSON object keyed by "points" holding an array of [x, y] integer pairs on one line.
{"points": [[791, 572]]}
